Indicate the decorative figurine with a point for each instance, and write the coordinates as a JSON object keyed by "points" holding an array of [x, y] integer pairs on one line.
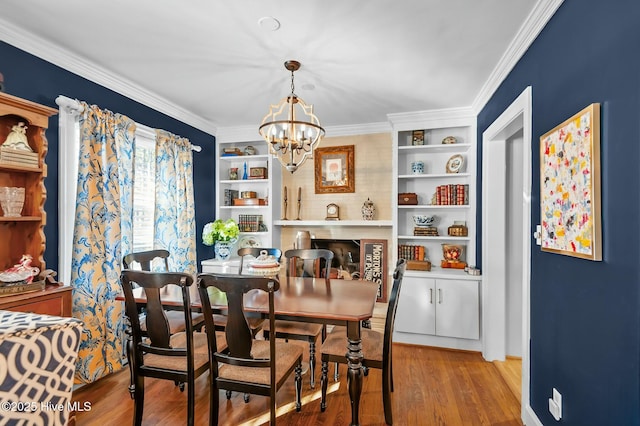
{"points": [[17, 138]]}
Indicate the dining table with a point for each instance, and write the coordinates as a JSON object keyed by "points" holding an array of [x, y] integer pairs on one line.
{"points": [[316, 300]]}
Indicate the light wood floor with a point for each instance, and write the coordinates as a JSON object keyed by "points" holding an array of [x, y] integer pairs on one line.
{"points": [[432, 387]]}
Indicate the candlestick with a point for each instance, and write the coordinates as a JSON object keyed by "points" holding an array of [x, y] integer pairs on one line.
{"points": [[284, 216], [299, 201]]}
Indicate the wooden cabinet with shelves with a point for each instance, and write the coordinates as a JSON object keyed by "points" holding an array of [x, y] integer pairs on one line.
{"points": [[25, 234]]}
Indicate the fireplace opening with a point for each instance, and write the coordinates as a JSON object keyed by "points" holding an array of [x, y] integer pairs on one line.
{"points": [[346, 256]]}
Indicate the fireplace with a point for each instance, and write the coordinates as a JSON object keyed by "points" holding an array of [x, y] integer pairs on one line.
{"points": [[346, 256]]}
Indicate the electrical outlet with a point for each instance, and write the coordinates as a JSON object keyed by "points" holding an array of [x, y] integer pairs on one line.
{"points": [[555, 405]]}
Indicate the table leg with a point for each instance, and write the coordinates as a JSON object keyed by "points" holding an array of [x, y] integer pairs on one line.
{"points": [[354, 371]]}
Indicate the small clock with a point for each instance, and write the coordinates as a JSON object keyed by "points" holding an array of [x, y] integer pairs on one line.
{"points": [[333, 212]]}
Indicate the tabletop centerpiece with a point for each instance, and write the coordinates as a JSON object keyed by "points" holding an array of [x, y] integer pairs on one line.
{"points": [[222, 235]]}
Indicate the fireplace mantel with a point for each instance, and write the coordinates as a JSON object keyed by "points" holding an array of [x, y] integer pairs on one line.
{"points": [[334, 223]]}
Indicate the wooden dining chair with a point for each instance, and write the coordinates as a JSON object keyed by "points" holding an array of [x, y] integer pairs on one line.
{"points": [[158, 353], [255, 322], [376, 348], [247, 365], [158, 260], [296, 330]]}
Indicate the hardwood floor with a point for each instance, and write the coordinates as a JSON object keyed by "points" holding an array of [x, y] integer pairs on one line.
{"points": [[433, 386]]}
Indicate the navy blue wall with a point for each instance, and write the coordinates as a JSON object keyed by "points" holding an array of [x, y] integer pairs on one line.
{"points": [[584, 315], [29, 77]]}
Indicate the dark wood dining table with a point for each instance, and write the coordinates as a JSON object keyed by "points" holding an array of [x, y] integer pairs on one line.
{"points": [[337, 302]]}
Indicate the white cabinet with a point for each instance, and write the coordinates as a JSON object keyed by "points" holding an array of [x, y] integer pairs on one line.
{"points": [[441, 307], [266, 189]]}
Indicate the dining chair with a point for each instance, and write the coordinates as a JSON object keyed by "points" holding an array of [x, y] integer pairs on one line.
{"points": [[158, 353], [296, 330], [247, 365], [376, 348], [146, 261]]}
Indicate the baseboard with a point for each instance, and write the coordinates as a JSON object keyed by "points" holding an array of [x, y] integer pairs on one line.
{"points": [[530, 418]]}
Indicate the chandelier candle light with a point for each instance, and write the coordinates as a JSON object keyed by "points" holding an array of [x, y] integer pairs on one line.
{"points": [[291, 129]]}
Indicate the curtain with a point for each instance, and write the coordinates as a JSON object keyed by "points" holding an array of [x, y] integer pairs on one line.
{"points": [[102, 232], [175, 223]]}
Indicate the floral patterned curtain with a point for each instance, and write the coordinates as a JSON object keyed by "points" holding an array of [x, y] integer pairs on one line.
{"points": [[102, 232], [175, 223]]}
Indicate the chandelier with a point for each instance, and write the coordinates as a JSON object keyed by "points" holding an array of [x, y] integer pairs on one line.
{"points": [[291, 129]]}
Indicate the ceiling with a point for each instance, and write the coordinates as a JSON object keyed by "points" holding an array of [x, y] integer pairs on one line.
{"points": [[212, 65]]}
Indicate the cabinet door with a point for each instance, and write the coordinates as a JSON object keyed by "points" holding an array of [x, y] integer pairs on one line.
{"points": [[458, 309], [416, 306]]}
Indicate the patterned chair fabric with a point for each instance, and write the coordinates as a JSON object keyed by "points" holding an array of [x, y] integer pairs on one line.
{"points": [[38, 354]]}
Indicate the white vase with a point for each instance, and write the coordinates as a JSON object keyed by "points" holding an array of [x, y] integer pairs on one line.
{"points": [[222, 249]]}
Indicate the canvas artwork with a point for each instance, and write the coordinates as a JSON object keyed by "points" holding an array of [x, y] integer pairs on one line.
{"points": [[570, 186]]}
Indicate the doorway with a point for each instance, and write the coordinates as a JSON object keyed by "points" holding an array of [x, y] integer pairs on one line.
{"points": [[506, 244]]}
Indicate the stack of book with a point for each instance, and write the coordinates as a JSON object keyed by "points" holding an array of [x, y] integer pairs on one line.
{"points": [[411, 252], [22, 286], [452, 195], [230, 195], [18, 157], [231, 152], [250, 222], [425, 231]]}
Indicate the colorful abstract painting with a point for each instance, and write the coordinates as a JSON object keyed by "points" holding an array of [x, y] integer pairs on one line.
{"points": [[570, 186]]}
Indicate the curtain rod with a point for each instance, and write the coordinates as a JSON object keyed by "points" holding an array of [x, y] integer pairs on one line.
{"points": [[74, 106]]}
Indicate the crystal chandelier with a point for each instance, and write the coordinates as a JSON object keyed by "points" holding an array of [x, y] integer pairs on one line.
{"points": [[291, 129]]}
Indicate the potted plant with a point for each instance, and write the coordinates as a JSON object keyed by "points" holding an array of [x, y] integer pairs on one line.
{"points": [[221, 234]]}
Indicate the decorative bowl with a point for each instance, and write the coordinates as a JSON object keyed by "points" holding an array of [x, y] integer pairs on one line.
{"points": [[424, 220], [452, 252]]}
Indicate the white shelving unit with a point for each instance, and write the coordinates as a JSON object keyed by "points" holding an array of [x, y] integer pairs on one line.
{"points": [[440, 307], [267, 189]]}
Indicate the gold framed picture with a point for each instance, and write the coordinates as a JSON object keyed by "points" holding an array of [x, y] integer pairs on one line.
{"points": [[570, 186], [334, 169]]}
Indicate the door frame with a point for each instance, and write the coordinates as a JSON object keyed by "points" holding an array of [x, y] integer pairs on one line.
{"points": [[513, 119]]}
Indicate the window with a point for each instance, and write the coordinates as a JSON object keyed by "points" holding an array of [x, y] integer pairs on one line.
{"points": [[144, 192]]}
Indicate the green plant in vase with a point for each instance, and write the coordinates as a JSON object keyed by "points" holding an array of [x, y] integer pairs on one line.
{"points": [[221, 234]]}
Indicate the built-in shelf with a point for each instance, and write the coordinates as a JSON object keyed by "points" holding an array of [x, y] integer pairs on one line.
{"points": [[334, 223], [433, 238], [438, 272], [434, 206], [434, 175], [455, 147], [238, 158], [21, 219], [241, 181]]}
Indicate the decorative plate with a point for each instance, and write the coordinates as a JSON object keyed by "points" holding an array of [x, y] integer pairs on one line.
{"points": [[454, 164], [248, 242], [449, 140]]}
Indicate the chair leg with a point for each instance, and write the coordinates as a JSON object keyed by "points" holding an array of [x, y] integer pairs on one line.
{"points": [[228, 393], [336, 374], [138, 404], [298, 381], [214, 401], [131, 362], [323, 384], [312, 364], [191, 401], [386, 396]]}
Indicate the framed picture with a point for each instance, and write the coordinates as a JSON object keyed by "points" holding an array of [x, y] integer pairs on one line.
{"points": [[570, 186], [334, 169], [373, 265]]}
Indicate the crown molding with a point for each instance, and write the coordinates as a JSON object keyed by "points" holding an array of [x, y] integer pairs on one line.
{"points": [[530, 29], [447, 117], [59, 56], [250, 133]]}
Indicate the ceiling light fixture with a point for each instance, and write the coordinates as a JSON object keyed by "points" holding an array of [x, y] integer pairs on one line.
{"points": [[291, 129]]}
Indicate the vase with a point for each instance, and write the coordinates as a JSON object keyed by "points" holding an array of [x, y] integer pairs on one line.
{"points": [[222, 249], [368, 210]]}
